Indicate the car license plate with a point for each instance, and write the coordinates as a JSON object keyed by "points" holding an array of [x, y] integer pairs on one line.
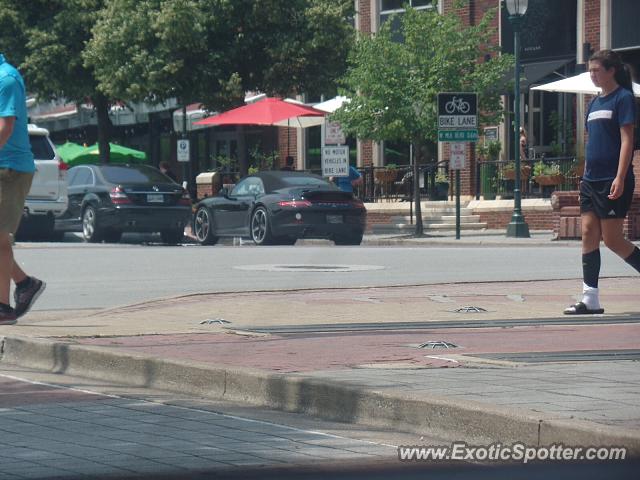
{"points": [[334, 219], [155, 198]]}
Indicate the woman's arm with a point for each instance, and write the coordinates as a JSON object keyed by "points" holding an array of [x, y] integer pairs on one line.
{"points": [[626, 154]]}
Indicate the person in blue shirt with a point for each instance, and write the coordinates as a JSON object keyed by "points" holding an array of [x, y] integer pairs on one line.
{"points": [[606, 189], [347, 183], [16, 173]]}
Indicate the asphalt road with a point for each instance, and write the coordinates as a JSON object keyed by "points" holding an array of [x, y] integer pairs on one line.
{"points": [[105, 275]]}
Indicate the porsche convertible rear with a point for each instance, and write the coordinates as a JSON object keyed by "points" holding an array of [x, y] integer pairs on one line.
{"points": [[321, 214]]}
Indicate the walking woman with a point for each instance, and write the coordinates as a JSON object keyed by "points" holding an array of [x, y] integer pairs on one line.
{"points": [[606, 190]]}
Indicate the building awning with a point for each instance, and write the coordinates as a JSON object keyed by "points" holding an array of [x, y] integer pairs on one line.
{"points": [[534, 73]]}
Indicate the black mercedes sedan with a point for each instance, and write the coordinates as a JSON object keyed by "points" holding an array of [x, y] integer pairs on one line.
{"points": [[107, 200], [278, 208]]}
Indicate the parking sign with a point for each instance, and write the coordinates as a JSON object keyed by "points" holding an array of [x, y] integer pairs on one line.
{"points": [[183, 150]]}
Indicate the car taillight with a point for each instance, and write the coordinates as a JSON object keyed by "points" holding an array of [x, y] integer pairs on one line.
{"points": [[62, 170], [185, 199], [118, 197], [295, 203]]}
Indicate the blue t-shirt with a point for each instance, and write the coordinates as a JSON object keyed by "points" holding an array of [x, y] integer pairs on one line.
{"points": [[605, 116], [344, 183], [16, 153]]}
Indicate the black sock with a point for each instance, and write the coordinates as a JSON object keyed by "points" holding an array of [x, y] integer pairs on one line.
{"points": [[591, 268], [634, 259], [24, 283]]}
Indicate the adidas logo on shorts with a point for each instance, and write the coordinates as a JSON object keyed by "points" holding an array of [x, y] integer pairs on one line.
{"points": [[612, 212]]}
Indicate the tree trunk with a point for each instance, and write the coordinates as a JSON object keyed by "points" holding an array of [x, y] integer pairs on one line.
{"points": [[416, 189], [101, 104]]}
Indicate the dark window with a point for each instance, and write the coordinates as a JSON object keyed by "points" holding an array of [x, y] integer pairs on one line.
{"points": [[82, 176], [41, 148], [548, 30], [624, 19], [133, 174]]}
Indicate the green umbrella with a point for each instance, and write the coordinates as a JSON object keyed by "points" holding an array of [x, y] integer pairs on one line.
{"points": [[79, 155], [120, 154], [69, 151]]}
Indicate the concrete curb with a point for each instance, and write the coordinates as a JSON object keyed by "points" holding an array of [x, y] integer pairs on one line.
{"points": [[427, 415]]}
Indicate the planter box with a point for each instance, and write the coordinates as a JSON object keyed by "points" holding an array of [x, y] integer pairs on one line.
{"points": [[546, 180]]}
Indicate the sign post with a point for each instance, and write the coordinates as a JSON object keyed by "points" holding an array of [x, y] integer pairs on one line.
{"points": [[335, 161], [457, 124]]}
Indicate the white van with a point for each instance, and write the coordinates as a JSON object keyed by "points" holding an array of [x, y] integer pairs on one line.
{"points": [[47, 198]]}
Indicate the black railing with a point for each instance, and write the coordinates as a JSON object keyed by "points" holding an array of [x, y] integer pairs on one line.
{"points": [[538, 178], [389, 184]]}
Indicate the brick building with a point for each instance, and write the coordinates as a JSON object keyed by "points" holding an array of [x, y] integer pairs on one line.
{"points": [[557, 38]]}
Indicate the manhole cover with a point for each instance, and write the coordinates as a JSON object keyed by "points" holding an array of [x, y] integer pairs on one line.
{"points": [[470, 309], [309, 268], [437, 344]]}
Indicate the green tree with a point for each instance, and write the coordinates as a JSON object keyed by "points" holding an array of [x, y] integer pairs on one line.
{"points": [[46, 39], [393, 85], [213, 51]]}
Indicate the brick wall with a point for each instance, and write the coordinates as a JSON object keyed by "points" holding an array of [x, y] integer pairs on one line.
{"points": [[592, 23], [364, 16], [287, 136], [536, 219]]}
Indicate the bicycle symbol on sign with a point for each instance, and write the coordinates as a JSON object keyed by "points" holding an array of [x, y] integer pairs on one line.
{"points": [[457, 104]]}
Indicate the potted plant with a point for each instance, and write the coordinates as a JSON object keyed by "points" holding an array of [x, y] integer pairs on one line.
{"points": [[545, 175], [509, 171]]}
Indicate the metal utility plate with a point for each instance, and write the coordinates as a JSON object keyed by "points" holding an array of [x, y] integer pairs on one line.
{"points": [[472, 323], [575, 356]]}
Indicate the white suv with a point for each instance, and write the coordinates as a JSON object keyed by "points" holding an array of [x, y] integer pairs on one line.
{"points": [[47, 198]]}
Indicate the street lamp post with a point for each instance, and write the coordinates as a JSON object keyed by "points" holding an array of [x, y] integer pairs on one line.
{"points": [[518, 226]]}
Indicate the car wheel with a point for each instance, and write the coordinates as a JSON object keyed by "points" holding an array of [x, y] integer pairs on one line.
{"points": [[91, 231], [353, 239], [260, 228], [112, 236], [203, 227], [172, 237]]}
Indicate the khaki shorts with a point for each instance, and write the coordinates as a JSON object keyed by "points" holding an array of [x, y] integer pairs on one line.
{"points": [[14, 187]]}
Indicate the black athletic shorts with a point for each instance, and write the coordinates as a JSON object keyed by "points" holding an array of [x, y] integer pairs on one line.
{"points": [[594, 198]]}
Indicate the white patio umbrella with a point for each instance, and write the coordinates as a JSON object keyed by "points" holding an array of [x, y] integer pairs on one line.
{"points": [[578, 84], [328, 106]]}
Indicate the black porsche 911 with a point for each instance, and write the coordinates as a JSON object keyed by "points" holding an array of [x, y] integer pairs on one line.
{"points": [[278, 208]]}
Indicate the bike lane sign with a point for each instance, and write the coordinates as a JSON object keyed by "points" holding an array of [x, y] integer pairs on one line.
{"points": [[457, 117]]}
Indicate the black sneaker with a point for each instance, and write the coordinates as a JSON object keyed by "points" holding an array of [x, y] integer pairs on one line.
{"points": [[7, 315], [25, 297]]}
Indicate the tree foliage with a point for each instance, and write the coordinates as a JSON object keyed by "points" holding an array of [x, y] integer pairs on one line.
{"points": [[46, 39], [393, 85], [213, 51]]}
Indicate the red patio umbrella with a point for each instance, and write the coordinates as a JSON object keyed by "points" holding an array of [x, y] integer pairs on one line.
{"points": [[269, 111]]}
